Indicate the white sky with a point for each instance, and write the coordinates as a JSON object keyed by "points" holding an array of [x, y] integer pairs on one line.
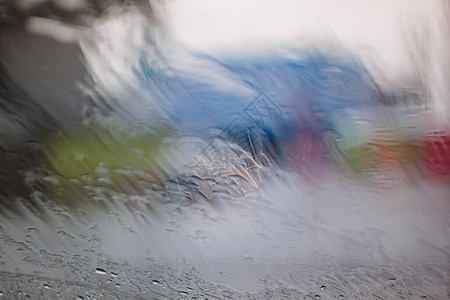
{"points": [[373, 29]]}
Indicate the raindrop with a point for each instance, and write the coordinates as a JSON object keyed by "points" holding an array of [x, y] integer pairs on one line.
{"points": [[156, 282], [316, 296], [117, 284], [323, 288], [114, 274], [100, 271], [47, 286], [1, 293], [80, 297], [183, 293]]}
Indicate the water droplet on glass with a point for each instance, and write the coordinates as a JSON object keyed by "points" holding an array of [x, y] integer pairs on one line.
{"points": [[90, 161], [100, 271]]}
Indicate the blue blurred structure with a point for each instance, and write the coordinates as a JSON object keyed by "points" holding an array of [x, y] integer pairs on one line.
{"points": [[272, 99]]}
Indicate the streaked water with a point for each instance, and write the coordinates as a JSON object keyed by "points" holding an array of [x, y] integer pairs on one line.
{"points": [[138, 163]]}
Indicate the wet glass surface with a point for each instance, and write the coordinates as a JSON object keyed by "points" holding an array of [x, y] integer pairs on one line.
{"points": [[134, 165]]}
